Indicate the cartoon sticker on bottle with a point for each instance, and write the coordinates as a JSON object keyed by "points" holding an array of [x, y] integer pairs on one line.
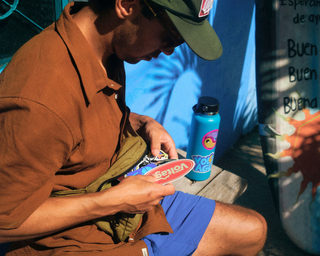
{"points": [[203, 163], [210, 139]]}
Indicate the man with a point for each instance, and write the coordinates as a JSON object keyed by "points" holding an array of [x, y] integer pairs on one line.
{"points": [[63, 119]]}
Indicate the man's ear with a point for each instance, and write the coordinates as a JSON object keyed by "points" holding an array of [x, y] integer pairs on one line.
{"points": [[125, 7]]}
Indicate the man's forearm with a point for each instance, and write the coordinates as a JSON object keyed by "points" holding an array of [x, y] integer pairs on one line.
{"points": [[55, 214], [137, 194]]}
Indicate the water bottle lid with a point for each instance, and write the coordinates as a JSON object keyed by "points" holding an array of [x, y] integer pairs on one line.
{"points": [[207, 106]]}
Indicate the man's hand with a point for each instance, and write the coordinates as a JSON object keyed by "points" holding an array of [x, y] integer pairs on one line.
{"points": [[138, 194], [154, 133]]}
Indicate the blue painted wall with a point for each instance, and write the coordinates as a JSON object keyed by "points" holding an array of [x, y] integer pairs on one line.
{"points": [[168, 87]]}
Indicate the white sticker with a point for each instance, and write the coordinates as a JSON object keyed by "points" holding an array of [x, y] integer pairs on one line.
{"points": [[145, 252]]}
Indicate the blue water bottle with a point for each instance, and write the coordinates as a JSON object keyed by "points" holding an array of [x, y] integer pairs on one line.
{"points": [[203, 137]]}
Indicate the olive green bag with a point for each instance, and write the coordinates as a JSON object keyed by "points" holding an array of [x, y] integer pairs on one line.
{"points": [[120, 225]]}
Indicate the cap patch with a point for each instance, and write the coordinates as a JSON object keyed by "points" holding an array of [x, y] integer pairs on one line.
{"points": [[206, 6]]}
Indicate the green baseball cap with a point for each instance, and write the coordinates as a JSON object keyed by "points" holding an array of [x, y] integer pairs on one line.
{"points": [[190, 19]]}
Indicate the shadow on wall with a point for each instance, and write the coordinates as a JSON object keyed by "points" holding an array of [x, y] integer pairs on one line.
{"points": [[166, 88]]}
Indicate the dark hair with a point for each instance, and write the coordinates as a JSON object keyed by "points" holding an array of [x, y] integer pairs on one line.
{"points": [[104, 5], [101, 6]]}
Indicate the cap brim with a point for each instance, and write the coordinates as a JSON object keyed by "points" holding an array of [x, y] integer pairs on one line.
{"points": [[200, 37]]}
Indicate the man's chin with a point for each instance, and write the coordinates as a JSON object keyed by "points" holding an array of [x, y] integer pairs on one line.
{"points": [[132, 61], [135, 61]]}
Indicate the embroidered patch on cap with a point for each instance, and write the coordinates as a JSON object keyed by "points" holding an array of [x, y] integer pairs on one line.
{"points": [[206, 6]]}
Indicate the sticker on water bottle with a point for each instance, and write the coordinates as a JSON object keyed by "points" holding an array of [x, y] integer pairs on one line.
{"points": [[203, 163], [209, 140]]}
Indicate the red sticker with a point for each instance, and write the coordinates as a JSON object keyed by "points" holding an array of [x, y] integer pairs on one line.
{"points": [[172, 171], [206, 6]]}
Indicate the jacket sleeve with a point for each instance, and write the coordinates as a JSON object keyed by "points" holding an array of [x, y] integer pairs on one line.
{"points": [[34, 143]]}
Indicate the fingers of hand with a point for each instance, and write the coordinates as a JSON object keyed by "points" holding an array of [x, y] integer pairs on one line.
{"points": [[141, 194], [157, 136], [162, 140]]}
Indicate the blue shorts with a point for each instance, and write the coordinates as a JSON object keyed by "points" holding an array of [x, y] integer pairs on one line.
{"points": [[189, 217]]}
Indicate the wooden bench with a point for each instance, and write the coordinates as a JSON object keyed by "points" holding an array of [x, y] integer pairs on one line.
{"points": [[222, 185]]}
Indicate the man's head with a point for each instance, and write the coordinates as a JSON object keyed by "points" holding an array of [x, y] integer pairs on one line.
{"points": [[190, 19], [142, 29]]}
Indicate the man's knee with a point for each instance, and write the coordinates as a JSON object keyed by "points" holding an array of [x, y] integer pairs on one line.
{"points": [[234, 230], [250, 227], [253, 235], [257, 229]]}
